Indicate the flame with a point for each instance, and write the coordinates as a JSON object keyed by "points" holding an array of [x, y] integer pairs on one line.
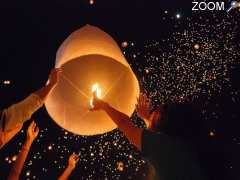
{"points": [[95, 89]]}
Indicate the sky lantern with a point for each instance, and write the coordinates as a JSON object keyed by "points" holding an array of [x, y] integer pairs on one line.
{"points": [[92, 62]]}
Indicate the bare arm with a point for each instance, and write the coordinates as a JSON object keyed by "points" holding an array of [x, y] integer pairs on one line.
{"points": [[17, 167], [124, 123], [16, 170], [18, 113], [46, 90], [73, 159], [143, 108], [66, 173]]}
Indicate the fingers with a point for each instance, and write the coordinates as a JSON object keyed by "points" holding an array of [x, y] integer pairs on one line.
{"points": [[137, 107], [77, 159], [74, 157], [31, 125], [143, 100], [56, 70], [37, 131]]}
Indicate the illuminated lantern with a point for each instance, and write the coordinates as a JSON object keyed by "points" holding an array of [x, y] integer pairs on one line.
{"points": [[91, 2], [196, 46], [124, 44], [92, 62]]}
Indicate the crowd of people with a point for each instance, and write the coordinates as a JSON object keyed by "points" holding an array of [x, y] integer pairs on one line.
{"points": [[168, 158]]}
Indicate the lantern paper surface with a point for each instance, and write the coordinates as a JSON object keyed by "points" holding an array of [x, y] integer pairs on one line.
{"points": [[89, 56]]}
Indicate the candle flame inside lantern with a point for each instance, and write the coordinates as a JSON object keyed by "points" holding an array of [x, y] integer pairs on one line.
{"points": [[97, 91]]}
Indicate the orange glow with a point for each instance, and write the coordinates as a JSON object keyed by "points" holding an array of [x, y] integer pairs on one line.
{"points": [[98, 91], [92, 61]]}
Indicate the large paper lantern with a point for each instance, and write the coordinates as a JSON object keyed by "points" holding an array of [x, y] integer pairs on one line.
{"points": [[91, 61]]}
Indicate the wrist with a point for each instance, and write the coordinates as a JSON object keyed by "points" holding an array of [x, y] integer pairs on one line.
{"points": [[27, 144], [105, 106], [70, 167]]}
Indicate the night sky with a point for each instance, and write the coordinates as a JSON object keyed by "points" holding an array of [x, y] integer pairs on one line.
{"points": [[187, 60]]}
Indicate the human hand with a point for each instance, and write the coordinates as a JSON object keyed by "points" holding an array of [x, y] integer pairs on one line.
{"points": [[143, 106], [143, 109], [96, 103], [154, 119], [32, 132], [54, 76], [72, 161]]}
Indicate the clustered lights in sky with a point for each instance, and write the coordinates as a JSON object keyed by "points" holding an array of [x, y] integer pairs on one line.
{"points": [[194, 62], [191, 62]]}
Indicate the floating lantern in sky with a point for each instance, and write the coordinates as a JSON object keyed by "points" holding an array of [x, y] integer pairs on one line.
{"points": [[124, 44], [211, 133], [178, 16], [196, 46], [92, 62], [7, 82], [91, 2]]}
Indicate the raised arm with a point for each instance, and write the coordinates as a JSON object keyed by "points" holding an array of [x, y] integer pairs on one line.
{"points": [[123, 122], [143, 108], [53, 80], [16, 170], [20, 112], [72, 161]]}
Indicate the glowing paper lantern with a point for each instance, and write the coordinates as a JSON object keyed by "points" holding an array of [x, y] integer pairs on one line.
{"points": [[91, 61]]}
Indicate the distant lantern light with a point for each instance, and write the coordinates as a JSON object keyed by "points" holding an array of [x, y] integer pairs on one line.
{"points": [[124, 44], [211, 133], [91, 2], [178, 16], [234, 4], [7, 82], [7, 159], [196, 46], [49, 147], [28, 173], [14, 158]]}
